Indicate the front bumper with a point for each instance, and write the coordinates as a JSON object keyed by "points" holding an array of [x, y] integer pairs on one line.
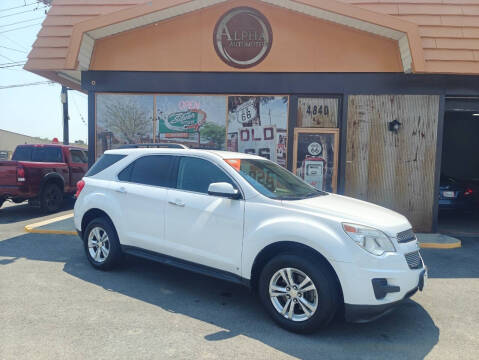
{"points": [[367, 313]]}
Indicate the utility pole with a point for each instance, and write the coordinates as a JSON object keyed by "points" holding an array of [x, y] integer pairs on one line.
{"points": [[64, 99]]}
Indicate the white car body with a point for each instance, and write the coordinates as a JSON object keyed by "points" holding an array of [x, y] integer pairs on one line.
{"points": [[227, 234]]}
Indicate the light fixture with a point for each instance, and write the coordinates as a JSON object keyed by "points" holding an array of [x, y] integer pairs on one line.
{"points": [[394, 126]]}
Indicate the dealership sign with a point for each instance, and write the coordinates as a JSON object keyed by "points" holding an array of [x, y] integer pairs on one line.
{"points": [[184, 121], [243, 37]]}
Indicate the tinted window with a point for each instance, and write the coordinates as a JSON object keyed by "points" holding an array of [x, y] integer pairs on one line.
{"points": [[78, 156], [150, 170], [22, 153], [47, 154], [196, 174], [125, 174], [104, 162]]}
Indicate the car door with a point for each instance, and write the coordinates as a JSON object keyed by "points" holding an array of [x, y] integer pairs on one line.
{"points": [[78, 166], [203, 228], [141, 191]]}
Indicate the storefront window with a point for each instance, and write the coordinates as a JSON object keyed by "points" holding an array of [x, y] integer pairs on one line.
{"points": [[123, 119], [318, 112], [249, 124], [258, 125]]}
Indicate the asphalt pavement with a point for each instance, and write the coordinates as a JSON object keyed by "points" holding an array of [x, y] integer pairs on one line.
{"points": [[53, 304]]}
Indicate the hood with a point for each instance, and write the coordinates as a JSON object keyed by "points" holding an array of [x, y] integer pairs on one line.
{"points": [[346, 209]]}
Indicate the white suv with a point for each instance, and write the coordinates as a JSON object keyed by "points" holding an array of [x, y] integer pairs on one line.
{"points": [[245, 219]]}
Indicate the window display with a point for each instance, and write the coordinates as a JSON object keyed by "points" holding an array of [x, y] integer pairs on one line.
{"points": [[318, 112], [258, 125], [249, 124], [197, 121], [123, 119], [315, 157]]}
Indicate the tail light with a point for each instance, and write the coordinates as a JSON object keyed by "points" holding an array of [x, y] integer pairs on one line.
{"points": [[80, 186], [20, 174], [468, 192]]}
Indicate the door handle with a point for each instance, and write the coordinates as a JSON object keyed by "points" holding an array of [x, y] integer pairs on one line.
{"points": [[177, 203], [121, 190]]}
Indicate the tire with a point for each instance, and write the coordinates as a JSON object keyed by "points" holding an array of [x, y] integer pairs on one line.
{"points": [[51, 198], [325, 293], [108, 254]]}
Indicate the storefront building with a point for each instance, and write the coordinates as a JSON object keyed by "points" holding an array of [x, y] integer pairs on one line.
{"points": [[350, 95]]}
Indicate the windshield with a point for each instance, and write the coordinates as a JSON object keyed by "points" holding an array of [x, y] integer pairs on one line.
{"points": [[272, 180]]}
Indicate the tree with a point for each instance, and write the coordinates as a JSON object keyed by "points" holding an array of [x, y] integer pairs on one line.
{"points": [[214, 133], [127, 119]]}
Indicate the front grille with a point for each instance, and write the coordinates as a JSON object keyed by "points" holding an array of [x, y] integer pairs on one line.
{"points": [[414, 260], [406, 236]]}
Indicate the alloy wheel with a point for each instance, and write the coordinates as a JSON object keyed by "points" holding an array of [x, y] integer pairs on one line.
{"points": [[293, 294], [98, 244]]}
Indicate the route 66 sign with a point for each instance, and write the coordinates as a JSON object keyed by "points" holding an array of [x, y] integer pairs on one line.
{"points": [[315, 148], [245, 112]]}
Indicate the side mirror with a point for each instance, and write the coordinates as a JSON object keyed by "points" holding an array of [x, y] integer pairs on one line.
{"points": [[223, 189]]}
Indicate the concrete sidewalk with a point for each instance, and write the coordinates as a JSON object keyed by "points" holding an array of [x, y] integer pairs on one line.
{"points": [[64, 225]]}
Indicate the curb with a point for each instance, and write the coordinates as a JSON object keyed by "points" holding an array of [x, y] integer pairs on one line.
{"points": [[440, 246], [438, 241], [33, 228]]}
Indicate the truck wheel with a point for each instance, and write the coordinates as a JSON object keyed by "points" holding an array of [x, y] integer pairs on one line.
{"points": [[299, 292], [101, 244], [51, 198]]}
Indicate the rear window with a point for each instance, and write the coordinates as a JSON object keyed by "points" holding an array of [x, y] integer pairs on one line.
{"points": [[22, 153], [104, 162], [38, 154], [47, 154]]}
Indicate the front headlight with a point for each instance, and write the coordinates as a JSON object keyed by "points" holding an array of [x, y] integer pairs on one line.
{"points": [[371, 240]]}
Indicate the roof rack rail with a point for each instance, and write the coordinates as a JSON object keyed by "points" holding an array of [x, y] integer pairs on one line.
{"points": [[155, 145]]}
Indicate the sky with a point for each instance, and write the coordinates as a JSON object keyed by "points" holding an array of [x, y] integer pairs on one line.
{"points": [[32, 110]]}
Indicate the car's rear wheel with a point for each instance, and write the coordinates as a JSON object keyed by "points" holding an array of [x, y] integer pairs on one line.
{"points": [[101, 244], [299, 292], [51, 198]]}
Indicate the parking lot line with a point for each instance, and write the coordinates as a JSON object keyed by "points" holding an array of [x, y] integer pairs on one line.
{"points": [[36, 227]]}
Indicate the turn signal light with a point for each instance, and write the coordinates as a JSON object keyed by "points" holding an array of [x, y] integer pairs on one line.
{"points": [[80, 186]]}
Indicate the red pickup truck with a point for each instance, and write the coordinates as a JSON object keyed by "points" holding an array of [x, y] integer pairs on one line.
{"points": [[42, 174]]}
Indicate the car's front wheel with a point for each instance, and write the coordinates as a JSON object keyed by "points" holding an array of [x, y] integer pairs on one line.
{"points": [[101, 244], [299, 292]]}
